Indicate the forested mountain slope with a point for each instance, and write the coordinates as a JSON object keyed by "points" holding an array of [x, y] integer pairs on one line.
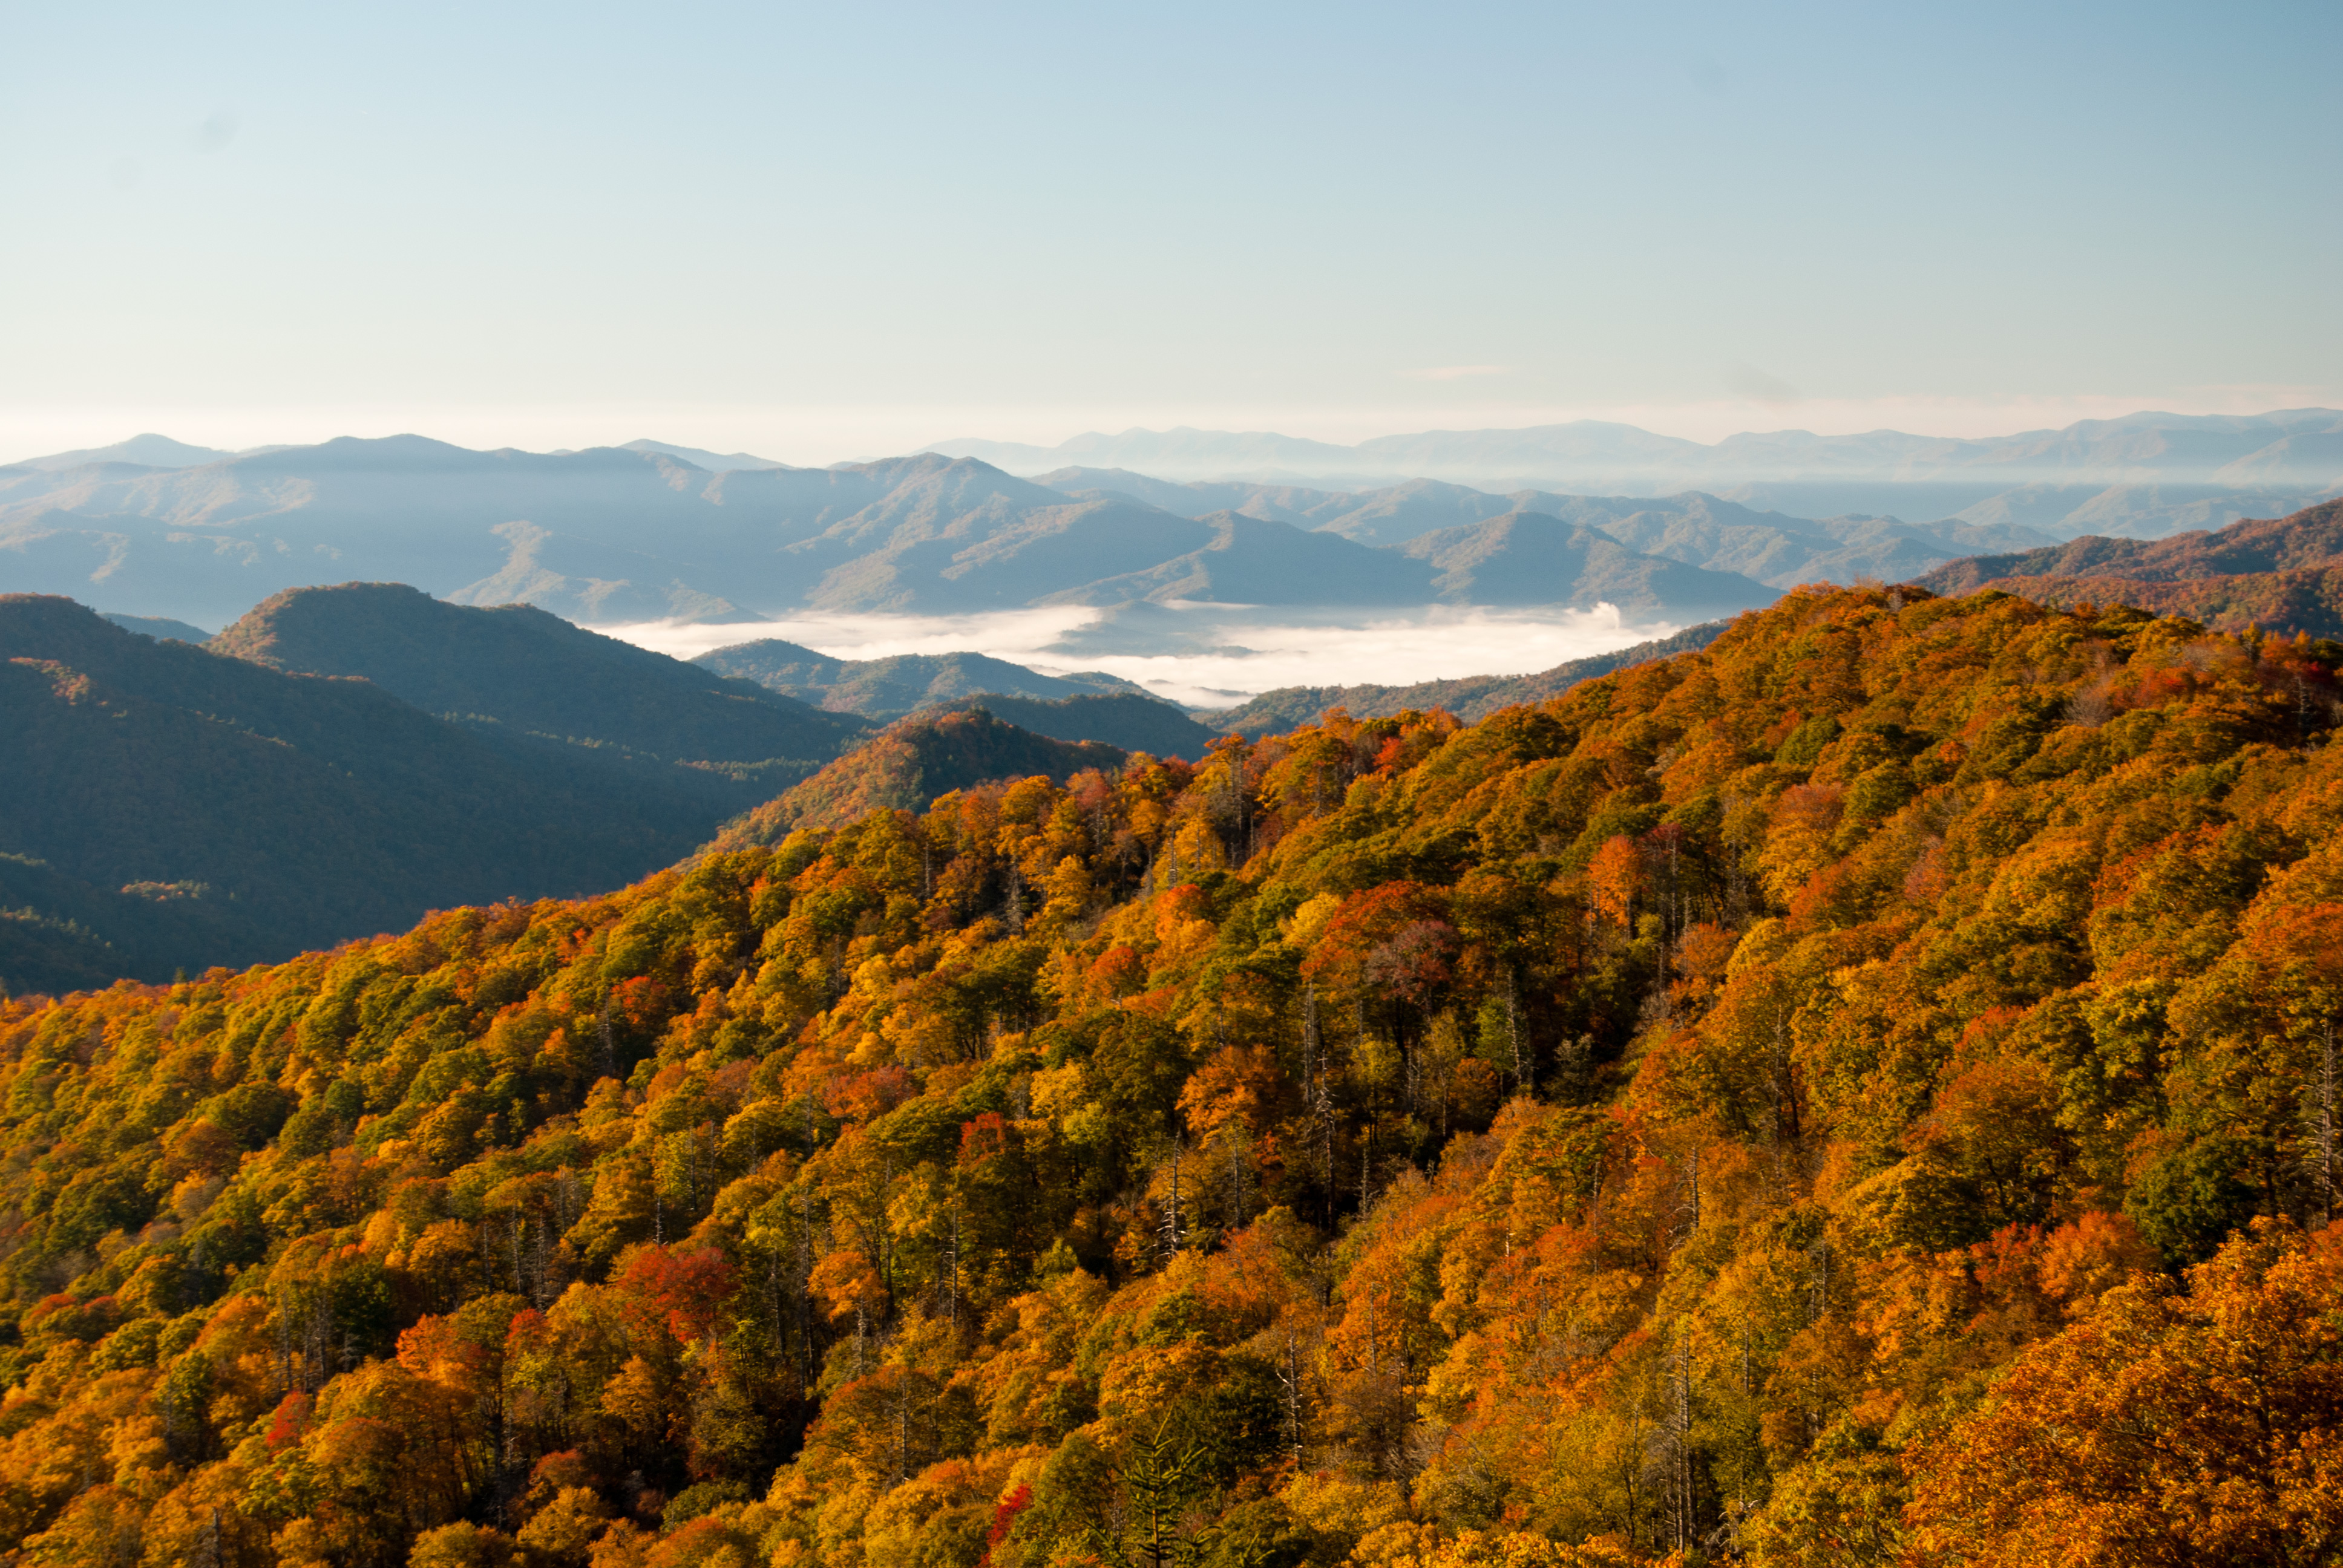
{"points": [[1128, 720], [891, 687], [2281, 574], [1471, 697], [909, 763], [519, 668], [163, 807], [1855, 1093]]}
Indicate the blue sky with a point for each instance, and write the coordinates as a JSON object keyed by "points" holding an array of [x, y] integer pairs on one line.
{"points": [[824, 232]]}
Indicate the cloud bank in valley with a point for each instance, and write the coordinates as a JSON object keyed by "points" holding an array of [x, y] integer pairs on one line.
{"points": [[1203, 656]]}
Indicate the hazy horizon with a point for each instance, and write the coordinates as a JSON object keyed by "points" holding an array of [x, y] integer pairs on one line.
{"points": [[17, 446], [281, 224]]}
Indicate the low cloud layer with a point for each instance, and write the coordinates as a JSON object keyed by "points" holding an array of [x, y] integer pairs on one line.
{"points": [[1204, 656]]}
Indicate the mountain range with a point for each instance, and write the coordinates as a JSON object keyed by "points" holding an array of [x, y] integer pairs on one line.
{"points": [[653, 530], [2143, 475], [1858, 1092], [1471, 698], [2282, 574], [1692, 528], [165, 806], [342, 758], [614, 534], [891, 687]]}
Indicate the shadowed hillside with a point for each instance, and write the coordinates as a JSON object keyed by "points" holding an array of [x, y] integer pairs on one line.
{"points": [[192, 808], [1129, 721], [536, 673], [889, 688]]}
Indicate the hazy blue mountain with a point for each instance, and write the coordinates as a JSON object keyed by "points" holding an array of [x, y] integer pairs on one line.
{"points": [[1182, 453], [149, 451], [891, 687], [2145, 475], [714, 462], [1531, 558], [1774, 549], [158, 625], [1696, 529], [607, 536], [1239, 559]]}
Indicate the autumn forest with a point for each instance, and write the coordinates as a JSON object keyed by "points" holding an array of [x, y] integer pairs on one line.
{"points": [[1862, 1091]]}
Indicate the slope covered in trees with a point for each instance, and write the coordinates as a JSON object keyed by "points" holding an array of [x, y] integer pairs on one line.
{"points": [[892, 687], [516, 666], [1129, 721], [162, 806], [1862, 1092], [1471, 697], [907, 765], [2282, 574]]}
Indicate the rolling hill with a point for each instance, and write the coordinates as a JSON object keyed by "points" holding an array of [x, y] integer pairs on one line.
{"points": [[1472, 697], [2281, 574], [891, 687], [535, 674], [907, 765], [164, 807], [1531, 558], [1128, 720]]}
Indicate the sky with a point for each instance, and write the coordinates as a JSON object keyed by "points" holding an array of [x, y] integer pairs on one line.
{"points": [[821, 233]]}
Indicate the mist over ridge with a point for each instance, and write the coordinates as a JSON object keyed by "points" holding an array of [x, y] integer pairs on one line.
{"points": [[1660, 528]]}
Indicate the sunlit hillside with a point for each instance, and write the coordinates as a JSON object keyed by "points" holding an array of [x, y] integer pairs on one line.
{"points": [[1862, 1091]]}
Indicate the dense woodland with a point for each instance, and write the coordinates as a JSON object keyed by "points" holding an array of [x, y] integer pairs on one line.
{"points": [[165, 807], [1862, 1092]]}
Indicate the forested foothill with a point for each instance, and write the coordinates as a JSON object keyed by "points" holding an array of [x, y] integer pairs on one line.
{"points": [[2265, 574], [1862, 1091]]}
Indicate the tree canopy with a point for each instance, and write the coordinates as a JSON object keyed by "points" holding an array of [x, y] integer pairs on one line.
{"points": [[1863, 1092]]}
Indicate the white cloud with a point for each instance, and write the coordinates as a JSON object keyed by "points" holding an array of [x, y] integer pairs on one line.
{"points": [[1250, 655]]}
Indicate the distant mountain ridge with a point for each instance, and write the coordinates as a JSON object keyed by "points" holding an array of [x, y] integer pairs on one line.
{"points": [[606, 535], [2281, 574], [2144, 475], [1470, 697], [1693, 527], [657, 532], [159, 627], [891, 687]]}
